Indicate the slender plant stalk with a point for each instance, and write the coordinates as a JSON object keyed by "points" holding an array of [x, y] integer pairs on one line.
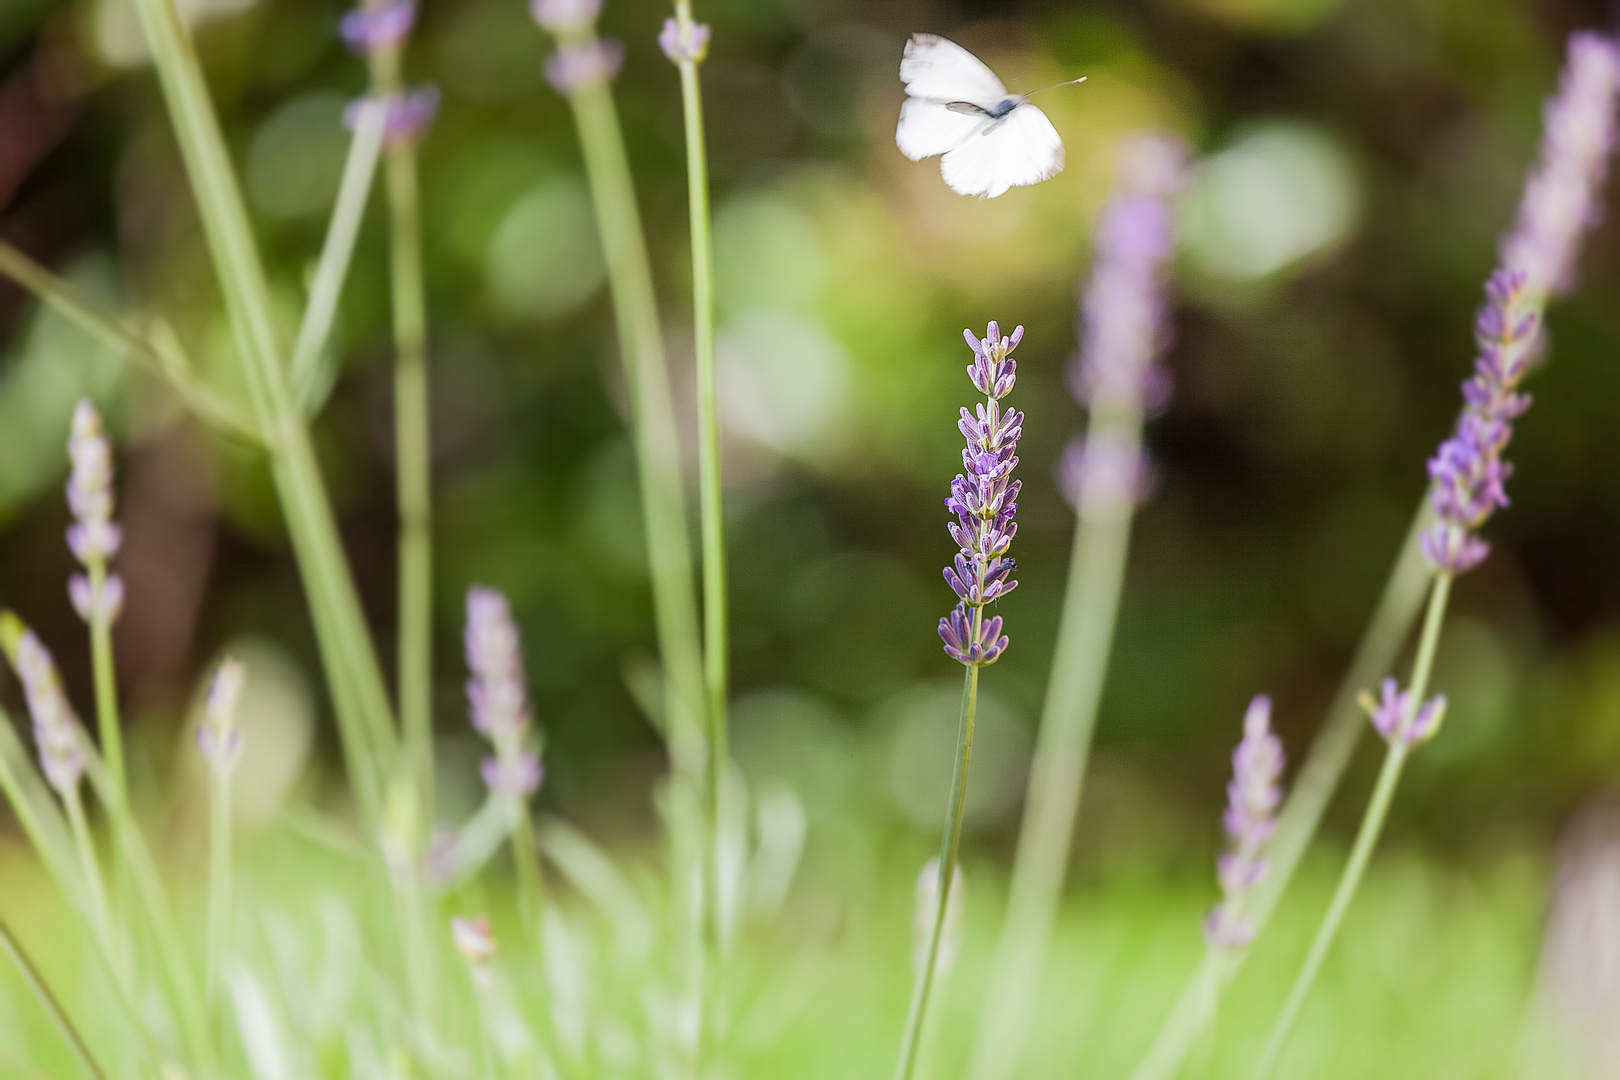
{"points": [[364, 714], [635, 309], [1329, 756], [332, 269], [106, 682], [526, 857], [219, 870], [47, 1000], [1372, 824], [1079, 663], [949, 847], [711, 498], [62, 298], [90, 867], [412, 461]]}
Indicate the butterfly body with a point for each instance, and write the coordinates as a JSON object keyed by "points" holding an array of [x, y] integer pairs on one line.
{"points": [[956, 109]]}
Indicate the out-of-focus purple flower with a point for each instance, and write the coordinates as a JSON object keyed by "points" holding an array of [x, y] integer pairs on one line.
{"points": [[370, 30], [499, 696], [1395, 718], [585, 64], [1559, 204], [1468, 472], [57, 735], [517, 776], [1123, 325], [1252, 798], [984, 498], [219, 739], [94, 537], [1114, 471], [407, 118], [1561, 197], [680, 47], [562, 15]]}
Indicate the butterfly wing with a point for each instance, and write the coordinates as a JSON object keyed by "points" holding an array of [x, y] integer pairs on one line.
{"points": [[1021, 148], [928, 128], [943, 71]]}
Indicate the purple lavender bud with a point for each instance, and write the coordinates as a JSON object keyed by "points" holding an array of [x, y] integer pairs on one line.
{"points": [[370, 30], [1105, 472], [407, 118], [56, 729], [1252, 798], [1561, 197], [966, 645], [92, 604], [516, 777], [577, 67], [1123, 308], [1394, 718], [681, 47], [219, 740], [474, 939], [558, 15], [93, 537]]}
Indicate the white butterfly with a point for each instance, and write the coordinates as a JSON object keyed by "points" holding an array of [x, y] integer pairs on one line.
{"points": [[955, 106]]}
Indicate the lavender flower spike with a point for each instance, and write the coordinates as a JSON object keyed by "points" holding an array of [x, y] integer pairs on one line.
{"points": [[407, 118], [93, 537], [1251, 813], [580, 66], [498, 694], [984, 498], [1468, 472], [1560, 199], [680, 47], [57, 734], [219, 740], [563, 15]]}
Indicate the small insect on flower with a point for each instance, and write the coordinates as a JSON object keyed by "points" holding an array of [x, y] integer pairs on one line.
{"points": [[956, 107]]}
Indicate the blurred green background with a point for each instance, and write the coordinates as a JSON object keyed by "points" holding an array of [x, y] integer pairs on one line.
{"points": [[1359, 160]]}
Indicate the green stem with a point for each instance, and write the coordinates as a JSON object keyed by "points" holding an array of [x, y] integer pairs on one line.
{"points": [[315, 331], [1079, 664], [1325, 765], [1372, 824], [711, 498], [635, 310], [90, 866], [526, 857], [363, 710], [106, 682], [413, 474], [911, 1042], [62, 298], [47, 1000], [219, 869]]}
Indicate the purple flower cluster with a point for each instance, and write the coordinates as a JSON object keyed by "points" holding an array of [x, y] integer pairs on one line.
{"points": [[680, 47], [498, 694], [371, 30], [1560, 200], [56, 729], [407, 118], [1559, 204], [1468, 472], [93, 537], [1124, 317], [1252, 799], [984, 499], [560, 16], [583, 64], [1395, 717]]}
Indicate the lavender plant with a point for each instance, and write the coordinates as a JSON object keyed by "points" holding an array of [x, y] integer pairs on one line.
{"points": [[984, 498], [1468, 473], [1252, 799], [1558, 208], [1123, 331]]}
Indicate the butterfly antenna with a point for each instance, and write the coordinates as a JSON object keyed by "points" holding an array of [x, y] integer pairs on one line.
{"points": [[1054, 86]]}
